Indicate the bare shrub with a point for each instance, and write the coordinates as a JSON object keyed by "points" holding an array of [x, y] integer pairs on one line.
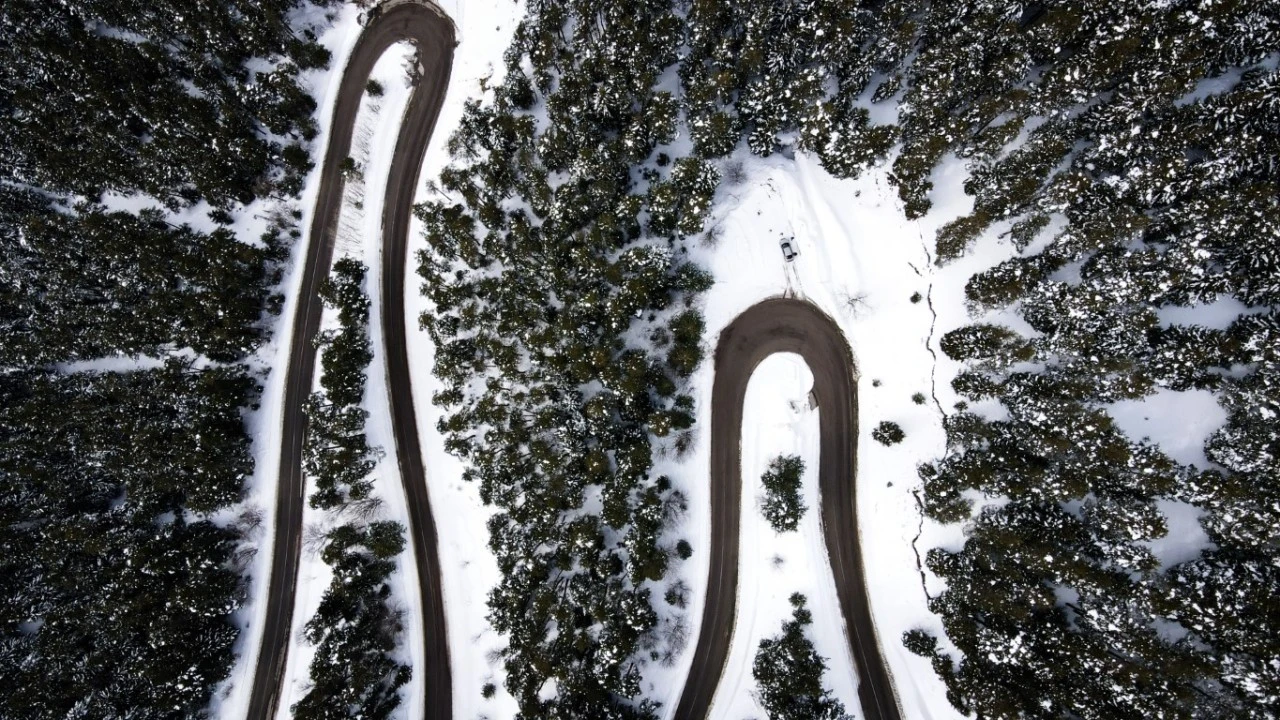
{"points": [[684, 442], [413, 69], [314, 537], [711, 238], [678, 594], [676, 636], [249, 519], [735, 173], [242, 556], [364, 508], [674, 507], [394, 622], [855, 303]]}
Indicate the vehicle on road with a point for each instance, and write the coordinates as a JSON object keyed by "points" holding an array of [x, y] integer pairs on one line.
{"points": [[789, 252]]}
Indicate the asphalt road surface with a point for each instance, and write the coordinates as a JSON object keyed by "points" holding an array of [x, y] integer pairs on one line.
{"points": [[795, 326], [433, 35]]}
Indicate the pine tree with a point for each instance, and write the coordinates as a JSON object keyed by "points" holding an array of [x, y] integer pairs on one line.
{"points": [[788, 673], [782, 505], [353, 674]]}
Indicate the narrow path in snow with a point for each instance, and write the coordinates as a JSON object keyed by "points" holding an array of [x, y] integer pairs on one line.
{"points": [[794, 326], [432, 33]]}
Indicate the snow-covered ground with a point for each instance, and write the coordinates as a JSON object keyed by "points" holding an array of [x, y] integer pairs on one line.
{"points": [[483, 31], [777, 420], [861, 262], [1179, 422]]}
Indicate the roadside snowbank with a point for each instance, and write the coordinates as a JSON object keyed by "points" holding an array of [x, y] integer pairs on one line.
{"points": [[467, 567], [265, 425]]}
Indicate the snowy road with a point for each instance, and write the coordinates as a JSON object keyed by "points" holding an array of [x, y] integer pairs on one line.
{"points": [[794, 326], [433, 35]]}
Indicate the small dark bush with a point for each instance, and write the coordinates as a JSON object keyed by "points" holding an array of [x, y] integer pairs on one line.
{"points": [[888, 433], [677, 595], [782, 505], [684, 549]]}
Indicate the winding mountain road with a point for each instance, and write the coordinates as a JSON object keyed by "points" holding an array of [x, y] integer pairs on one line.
{"points": [[795, 326], [433, 35]]}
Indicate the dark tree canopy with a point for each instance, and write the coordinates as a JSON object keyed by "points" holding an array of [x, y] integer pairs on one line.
{"points": [[110, 595], [782, 505], [788, 673], [355, 629], [117, 585]]}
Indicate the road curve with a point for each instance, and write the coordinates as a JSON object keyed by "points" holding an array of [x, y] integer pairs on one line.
{"points": [[795, 326], [433, 35]]}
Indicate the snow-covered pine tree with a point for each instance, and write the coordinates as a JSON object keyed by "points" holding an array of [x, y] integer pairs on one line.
{"points": [[788, 672]]}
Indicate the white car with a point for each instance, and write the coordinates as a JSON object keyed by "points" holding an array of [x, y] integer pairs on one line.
{"points": [[788, 249]]}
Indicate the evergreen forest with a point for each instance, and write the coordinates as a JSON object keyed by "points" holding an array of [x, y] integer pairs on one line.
{"points": [[1126, 150], [782, 505], [788, 672], [126, 337]]}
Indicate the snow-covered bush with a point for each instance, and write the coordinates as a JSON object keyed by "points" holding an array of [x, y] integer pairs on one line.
{"points": [[888, 432], [788, 673], [781, 504]]}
